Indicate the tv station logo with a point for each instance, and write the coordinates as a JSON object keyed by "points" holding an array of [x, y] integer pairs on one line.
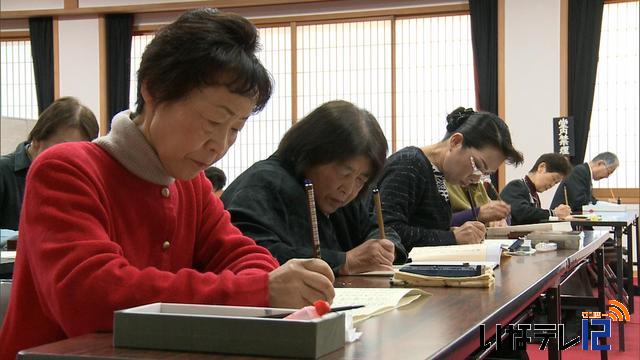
{"points": [[595, 326], [590, 320]]}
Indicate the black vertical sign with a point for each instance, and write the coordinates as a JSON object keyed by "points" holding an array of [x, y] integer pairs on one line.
{"points": [[563, 141]]}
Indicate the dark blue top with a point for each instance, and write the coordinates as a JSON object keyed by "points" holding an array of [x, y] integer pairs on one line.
{"points": [[524, 201], [13, 175], [579, 189]]}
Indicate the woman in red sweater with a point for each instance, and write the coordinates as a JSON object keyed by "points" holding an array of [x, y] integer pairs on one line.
{"points": [[131, 219]]}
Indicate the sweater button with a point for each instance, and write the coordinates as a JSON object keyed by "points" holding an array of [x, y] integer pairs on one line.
{"points": [[165, 192], [166, 245]]}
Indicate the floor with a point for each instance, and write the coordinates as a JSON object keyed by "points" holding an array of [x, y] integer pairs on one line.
{"points": [[632, 342]]}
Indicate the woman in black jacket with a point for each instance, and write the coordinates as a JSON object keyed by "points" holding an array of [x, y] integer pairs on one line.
{"points": [[341, 149], [522, 194]]}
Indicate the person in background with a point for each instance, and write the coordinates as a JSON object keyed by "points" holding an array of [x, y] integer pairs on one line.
{"points": [[578, 187], [492, 213], [522, 194], [218, 179], [415, 200], [64, 120], [341, 149], [579, 183], [130, 219]]}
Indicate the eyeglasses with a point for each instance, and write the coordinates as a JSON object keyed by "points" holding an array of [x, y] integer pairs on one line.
{"points": [[476, 171]]}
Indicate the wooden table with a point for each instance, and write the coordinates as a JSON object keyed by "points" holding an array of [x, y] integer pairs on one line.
{"points": [[622, 223], [444, 325]]}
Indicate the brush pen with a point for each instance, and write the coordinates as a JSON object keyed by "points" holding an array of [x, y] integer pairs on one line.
{"points": [[378, 204], [335, 309], [311, 202], [474, 211]]}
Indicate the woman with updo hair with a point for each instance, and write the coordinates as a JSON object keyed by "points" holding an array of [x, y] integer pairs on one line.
{"points": [[415, 201]]}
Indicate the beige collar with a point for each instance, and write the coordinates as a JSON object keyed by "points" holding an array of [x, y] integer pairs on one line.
{"points": [[127, 144]]}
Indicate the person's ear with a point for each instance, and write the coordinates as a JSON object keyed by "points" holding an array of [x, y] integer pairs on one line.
{"points": [[149, 103], [542, 168], [35, 148], [455, 141]]}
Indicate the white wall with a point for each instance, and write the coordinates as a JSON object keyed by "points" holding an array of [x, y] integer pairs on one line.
{"points": [[14, 131], [532, 79], [80, 60]]}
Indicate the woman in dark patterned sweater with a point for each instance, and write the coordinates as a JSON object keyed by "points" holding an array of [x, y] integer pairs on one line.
{"points": [[341, 149], [415, 200]]}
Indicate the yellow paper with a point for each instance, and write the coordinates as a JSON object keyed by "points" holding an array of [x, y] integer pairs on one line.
{"points": [[375, 300]]}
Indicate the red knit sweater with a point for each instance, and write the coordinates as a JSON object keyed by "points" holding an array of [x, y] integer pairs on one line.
{"points": [[92, 240]]}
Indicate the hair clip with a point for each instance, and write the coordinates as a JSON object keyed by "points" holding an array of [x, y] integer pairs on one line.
{"points": [[457, 118]]}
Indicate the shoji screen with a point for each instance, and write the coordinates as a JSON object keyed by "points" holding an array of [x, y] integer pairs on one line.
{"points": [[138, 44], [434, 75], [349, 61], [18, 100], [614, 120], [262, 133]]}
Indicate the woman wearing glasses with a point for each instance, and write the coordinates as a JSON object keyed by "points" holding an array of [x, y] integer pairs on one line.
{"points": [[415, 201]]}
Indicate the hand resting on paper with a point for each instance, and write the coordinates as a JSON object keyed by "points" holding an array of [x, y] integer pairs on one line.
{"points": [[562, 211], [300, 282], [471, 232], [372, 255]]}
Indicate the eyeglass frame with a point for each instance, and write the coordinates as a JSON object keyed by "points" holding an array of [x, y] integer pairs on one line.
{"points": [[476, 171]]}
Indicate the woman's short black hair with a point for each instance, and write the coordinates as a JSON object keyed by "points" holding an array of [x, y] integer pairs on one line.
{"points": [[204, 47], [335, 131], [217, 177], [555, 163], [481, 129]]}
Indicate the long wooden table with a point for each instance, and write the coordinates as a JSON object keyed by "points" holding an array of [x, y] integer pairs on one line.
{"points": [[622, 223], [444, 325]]}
